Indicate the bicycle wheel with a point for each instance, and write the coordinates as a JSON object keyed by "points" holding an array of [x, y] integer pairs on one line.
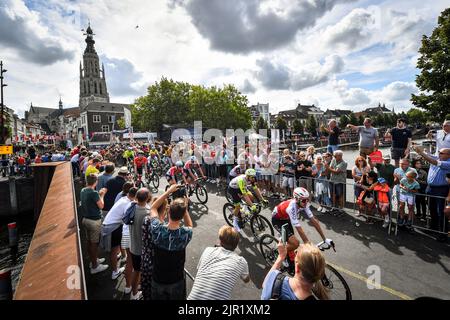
{"points": [[260, 225], [201, 194], [336, 285], [139, 184], [268, 245], [228, 196], [155, 181], [228, 214]]}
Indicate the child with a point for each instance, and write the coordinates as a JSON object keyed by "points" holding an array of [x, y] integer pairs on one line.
{"points": [[408, 187], [366, 199], [382, 190]]}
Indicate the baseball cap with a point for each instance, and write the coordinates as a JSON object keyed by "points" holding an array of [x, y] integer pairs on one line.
{"points": [[386, 156], [381, 180], [123, 170]]}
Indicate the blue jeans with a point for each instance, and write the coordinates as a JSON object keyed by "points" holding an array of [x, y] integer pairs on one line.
{"points": [[332, 148]]}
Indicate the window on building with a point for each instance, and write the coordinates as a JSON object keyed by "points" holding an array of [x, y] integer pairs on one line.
{"points": [[85, 91], [111, 119], [105, 128], [89, 87], [96, 118], [95, 87], [83, 119], [100, 85]]}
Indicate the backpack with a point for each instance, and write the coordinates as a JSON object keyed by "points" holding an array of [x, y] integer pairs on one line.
{"points": [[276, 288], [128, 218]]}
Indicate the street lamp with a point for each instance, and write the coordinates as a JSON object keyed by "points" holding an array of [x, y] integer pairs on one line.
{"points": [[2, 132]]}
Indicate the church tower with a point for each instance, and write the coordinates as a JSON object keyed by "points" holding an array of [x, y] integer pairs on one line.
{"points": [[92, 78]]}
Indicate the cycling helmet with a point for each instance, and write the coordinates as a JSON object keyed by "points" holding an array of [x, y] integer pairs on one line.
{"points": [[250, 173], [179, 164], [301, 194], [193, 158]]}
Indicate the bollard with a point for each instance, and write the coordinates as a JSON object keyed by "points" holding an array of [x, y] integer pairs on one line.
{"points": [[12, 231], [5, 285]]}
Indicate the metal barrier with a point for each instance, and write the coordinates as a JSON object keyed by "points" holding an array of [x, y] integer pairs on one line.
{"points": [[373, 211]]}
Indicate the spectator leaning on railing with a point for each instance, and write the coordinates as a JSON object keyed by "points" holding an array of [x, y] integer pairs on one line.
{"points": [[368, 137], [219, 269], [437, 187]]}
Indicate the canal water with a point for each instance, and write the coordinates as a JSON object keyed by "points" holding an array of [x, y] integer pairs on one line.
{"points": [[15, 260]]}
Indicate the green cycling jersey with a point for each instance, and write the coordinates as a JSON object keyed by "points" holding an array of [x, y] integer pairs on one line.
{"points": [[128, 154], [241, 183]]}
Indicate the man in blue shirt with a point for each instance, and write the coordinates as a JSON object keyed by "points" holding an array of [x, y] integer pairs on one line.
{"points": [[437, 187]]}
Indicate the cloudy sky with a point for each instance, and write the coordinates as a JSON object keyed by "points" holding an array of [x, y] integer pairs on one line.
{"points": [[333, 53]]}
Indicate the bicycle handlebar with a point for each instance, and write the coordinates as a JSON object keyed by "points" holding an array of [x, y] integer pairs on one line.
{"points": [[325, 246]]}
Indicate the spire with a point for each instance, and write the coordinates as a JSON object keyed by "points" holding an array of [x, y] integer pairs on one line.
{"points": [[81, 70], [89, 39]]}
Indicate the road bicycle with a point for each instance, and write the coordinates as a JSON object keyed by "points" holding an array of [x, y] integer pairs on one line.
{"points": [[152, 179], [258, 223], [332, 280]]}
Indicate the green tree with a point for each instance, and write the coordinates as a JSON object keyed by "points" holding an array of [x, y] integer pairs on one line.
{"points": [[434, 63], [311, 125], [7, 130], [120, 123], [343, 121], [180, 103], [379, 120], [297, 127], [281, 125], [360, 120], [261, 124], [416, 116], [352, 119]]}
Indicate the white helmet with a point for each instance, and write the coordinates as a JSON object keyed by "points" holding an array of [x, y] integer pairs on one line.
{"points": [[301, 194]]}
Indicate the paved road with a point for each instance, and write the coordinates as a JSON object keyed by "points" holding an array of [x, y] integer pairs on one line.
{"points": [[410, 265]]}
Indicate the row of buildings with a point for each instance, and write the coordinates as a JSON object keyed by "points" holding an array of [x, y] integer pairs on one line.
{"points": [[303, 112], [94, 113]]}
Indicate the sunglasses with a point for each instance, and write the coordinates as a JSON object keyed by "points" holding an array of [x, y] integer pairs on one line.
{"points": [[304, 200]]}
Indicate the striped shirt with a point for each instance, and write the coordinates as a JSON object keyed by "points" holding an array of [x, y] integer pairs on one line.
{"points": [[218, 271]]}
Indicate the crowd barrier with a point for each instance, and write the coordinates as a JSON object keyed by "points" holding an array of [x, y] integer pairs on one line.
{"points": [[430, 221]]}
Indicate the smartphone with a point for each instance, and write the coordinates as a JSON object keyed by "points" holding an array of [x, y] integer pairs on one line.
{"points": [[283, 233]]}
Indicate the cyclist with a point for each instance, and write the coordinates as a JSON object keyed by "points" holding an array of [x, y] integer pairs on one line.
{"points": [[153, 153], [128, 155], [287, 212], [173, 176], [238, 188], [191, 169], [140, 163]]}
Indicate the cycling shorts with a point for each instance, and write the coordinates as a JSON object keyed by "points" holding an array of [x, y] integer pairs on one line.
{"points": [[278, 223]]}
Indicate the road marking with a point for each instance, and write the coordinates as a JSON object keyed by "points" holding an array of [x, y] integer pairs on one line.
{"points": [[364, 279]]}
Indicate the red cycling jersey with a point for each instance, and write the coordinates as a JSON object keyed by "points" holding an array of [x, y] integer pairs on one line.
{"points": [[140, 161]]}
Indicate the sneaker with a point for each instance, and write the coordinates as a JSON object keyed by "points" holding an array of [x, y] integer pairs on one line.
{"points": [[357, 214], [117, 273], [319, 208], [138, 296], [385, 224], [127, 290], [236, 224], [99, 261], [100, 268]]}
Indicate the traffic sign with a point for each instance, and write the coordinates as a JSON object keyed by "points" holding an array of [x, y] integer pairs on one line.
{"points": [[6, 150]]}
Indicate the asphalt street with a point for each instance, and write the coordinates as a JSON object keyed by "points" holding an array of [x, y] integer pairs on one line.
{"points": [[409, 265]]}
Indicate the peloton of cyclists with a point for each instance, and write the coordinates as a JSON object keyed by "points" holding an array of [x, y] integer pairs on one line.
{"points": [[238, 188], [287, 212]]}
